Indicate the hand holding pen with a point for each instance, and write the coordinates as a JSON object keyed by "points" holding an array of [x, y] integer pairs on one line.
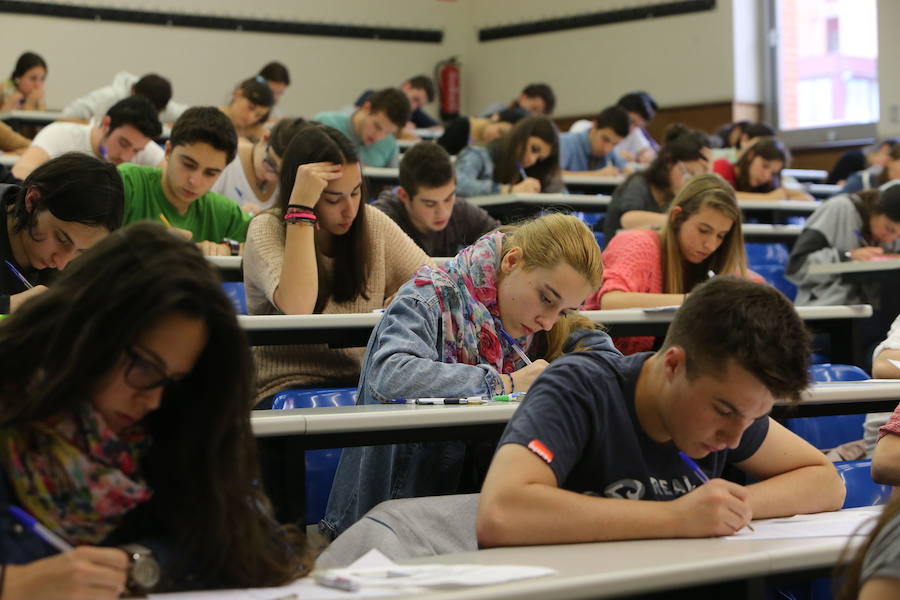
{"points": [[715, 508]]}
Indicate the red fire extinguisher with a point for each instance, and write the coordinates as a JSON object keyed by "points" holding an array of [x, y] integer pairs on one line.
{"points": [[446, 73]]}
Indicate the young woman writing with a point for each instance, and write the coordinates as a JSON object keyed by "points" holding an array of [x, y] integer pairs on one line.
{"points": [[449, 333], [322, 250], [757, 173]]}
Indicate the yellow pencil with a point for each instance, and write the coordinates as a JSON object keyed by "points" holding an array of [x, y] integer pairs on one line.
{"points": [[163, 218]]}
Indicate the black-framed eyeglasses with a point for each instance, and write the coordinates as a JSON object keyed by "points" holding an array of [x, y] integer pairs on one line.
{"points": [[141, 373], [269, 162]]}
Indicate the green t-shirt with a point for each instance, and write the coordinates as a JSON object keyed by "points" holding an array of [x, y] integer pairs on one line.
{"points": [[382, 153], [210, 217]]}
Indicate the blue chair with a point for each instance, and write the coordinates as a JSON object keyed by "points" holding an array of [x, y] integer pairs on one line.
{"points": [[320, 464], [861, 490], [774, 276], [826, 433], [598, 235], [235, 291], [766, 254]]}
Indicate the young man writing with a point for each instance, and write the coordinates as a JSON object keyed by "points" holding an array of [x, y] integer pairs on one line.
{"points": [[594, 447], [419, 91], [124, 135], [373, 127], [592, 150], [425, 204], [638, 146], [203, 141]]}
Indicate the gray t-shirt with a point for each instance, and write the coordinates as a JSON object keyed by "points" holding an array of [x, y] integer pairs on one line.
{"points": [[883, 557], [633, 194], [580, 418]]}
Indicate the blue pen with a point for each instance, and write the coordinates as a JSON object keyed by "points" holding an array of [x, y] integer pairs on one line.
{"points": [[238, 191], [42, 532], [522, 171], [18, 274], [509, 339], [700, 474], [860, 238]]}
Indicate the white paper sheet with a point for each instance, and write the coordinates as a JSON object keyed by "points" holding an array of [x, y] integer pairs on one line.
{"points": [[842, 523]]}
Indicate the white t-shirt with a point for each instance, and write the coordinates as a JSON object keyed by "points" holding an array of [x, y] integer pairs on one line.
{"points": [[97, 103], [635, 142], [233, 184], [61, 137]]}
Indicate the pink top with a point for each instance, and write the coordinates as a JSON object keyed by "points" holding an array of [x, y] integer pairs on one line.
{"points": [[892, 426], [631, 263], [726, 170]]}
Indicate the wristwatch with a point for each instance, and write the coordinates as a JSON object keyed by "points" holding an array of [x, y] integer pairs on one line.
{"points": [[143, 569]]}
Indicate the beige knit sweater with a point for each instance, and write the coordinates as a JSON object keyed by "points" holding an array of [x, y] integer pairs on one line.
{"points": [[393, 258]]}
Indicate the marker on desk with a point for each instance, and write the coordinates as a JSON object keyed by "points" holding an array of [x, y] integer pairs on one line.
{"points": [[18, 274], [514, 397], [509, 339], [337, 582], [699, 473], [42, 532]]}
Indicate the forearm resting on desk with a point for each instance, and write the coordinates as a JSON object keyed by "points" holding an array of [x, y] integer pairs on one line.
{"points": [[642, 219], [618, 299]]}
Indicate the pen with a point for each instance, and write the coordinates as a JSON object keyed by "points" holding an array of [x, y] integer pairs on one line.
{"points": [[163, 218], [509, 339], [522, 171], [699, 473], [514, 397], [469, 400], [42, 532], [18, 274], [337, 582], [102, 151], [860, 238]]}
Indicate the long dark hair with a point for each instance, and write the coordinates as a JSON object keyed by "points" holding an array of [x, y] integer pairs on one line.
{"points": [[893, 154], [507, 152], [767, 149], [74, 187], [320, 143], [681, 144], [202, 465], [877, 201], [26, 62]]}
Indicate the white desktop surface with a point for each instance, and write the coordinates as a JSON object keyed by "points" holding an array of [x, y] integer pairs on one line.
{"points": [[8, 160], [855, 266], [579, 179], [35, 116], [816, 175], [574, 200], [389, 173], [225, 262], [767, 229], [791, 205]]}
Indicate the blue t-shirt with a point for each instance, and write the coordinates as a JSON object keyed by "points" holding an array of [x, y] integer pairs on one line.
{"points": [[575, 154], [580, 418]]}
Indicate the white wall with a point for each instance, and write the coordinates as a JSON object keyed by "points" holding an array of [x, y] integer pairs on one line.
{"points": [[204, 65], [888, 77]]}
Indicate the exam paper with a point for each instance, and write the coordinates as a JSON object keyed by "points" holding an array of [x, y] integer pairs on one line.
{"points": [[896, 363], [841, 523], [377, 576]]}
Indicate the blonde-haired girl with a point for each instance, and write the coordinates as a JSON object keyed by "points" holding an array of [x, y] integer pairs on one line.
{"points": [[646, 268], [443, 336]]}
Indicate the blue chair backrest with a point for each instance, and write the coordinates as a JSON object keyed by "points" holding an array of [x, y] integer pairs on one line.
{"points": [[835, 372], [829, 432], [861, 490], [320, 464], [774, 276], [766, 254], [598, 235], [235, 291]]}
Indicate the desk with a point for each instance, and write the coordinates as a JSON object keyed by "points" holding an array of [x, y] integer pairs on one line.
{"points": [[822, 190], [812, 175], [771, 234], [350, 330], [8, 160], [511, 206], [772, 210], [229, 266], [32, 117], [593, 183]]}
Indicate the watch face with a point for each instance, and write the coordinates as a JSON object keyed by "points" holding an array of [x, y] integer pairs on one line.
{"points": [[145, 571]]}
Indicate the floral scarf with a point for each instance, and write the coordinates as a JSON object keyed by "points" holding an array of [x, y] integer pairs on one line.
{"points": [[466, 288], [74, 475]]}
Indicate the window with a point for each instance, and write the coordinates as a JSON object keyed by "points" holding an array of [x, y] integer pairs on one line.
{"points": [[824, 67]]}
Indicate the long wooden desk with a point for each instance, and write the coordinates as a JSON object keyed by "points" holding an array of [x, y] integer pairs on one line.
{"points": [[350, 330]]}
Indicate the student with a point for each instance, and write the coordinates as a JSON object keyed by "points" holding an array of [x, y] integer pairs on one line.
{"points": [[757, 173], [155, 88], [420, 91], [646, 268], [885, 167], [537, 99], [882, 430], [425, 206], [249, 106], [728, 135], [124, 135], [441, 336], [251, 179], [277, 77], [592, 151], [480, 131], [125, 431], [642, 199], [202, 143], [638, 146], [372, 128], [526, 160], [25, 88], [322, 250], [592, 452], [61, 209], [859, 226], [874, 572]]}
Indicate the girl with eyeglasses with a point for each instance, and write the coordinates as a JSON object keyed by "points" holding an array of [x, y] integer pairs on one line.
{"points": [[125, 430], [646, 268], [525, 160], [322, 249], [251, 179], [642, 199]]}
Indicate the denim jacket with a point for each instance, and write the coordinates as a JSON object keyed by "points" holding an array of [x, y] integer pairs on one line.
{"points": [[403, 359]]}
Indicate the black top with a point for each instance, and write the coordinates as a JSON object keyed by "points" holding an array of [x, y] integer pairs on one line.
{"points": [[9, 283], [456, 135], [633, 194]]}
